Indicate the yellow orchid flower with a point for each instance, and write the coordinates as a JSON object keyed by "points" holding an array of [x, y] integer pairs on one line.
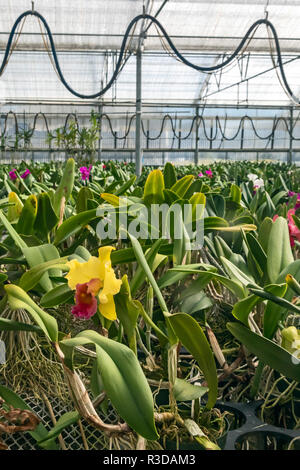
{"points": [[94, 278]]}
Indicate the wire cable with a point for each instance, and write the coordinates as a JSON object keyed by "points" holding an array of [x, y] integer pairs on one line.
{"points": [[170, 43]]}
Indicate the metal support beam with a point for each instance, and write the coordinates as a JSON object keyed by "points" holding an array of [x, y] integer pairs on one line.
{"points": [[100, 110], [138, 119], [290, 154], [196, 154]]}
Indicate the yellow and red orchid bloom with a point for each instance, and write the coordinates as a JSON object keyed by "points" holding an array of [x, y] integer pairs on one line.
{"points": [[94, 281]]}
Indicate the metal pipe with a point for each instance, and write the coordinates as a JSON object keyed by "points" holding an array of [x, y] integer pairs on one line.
{"points": [[138, 119], [290, 154], [196, 154]]}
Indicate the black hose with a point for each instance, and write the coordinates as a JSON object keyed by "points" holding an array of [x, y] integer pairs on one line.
{"points": [[171, 44]]}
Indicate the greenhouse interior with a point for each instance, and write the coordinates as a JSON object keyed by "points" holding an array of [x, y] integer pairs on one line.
{"points": [[149, 227]]}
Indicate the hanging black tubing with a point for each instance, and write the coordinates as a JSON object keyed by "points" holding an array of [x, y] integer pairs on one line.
{"points": [[171, 44]]}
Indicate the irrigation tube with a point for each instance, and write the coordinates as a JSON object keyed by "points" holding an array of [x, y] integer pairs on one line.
{"points": [[168, 39]]}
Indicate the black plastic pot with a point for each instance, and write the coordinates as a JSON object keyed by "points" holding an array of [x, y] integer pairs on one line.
{"points": [[255, 429]]}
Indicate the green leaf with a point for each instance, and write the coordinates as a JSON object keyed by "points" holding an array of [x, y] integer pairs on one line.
{"points": [[170, 196], [279, 251], [196, 200], [36, 257], [14, 235], [46, 218], [264, 232], [73, 224], [274, 312], [14, 211], [18, 299], [140, 276], [127, 311], [66, 420], [194, 340], [169, 175], [28, 216], [214, 223], [277, 300], [65, 186], [10, 325], [154, 186], [267, 351], [235, 193], [184, 391], [123, 380], [57, 296], [182, 185], [235, 273], [82, 199], [125, 186], [257, 252]]}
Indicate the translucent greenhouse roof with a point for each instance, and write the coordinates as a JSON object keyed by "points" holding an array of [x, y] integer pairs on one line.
{"points": [[88, 35]]}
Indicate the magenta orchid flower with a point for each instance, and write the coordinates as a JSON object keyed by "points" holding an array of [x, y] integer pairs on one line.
{"points": [[293, 229], [85, 172], [291, 194], [209, 173], [12, 174], [25, 174], [200, 174]]}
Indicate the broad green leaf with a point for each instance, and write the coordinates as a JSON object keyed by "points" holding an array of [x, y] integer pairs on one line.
{"points": [[154, 186], [184, 391], [18, 299], [46, 218], [14, 211], [235, 193], [28, 216], [14, 235], [264, 231], [274, 312], [235, 273], [123, 380], [125, 186], [36, 256], [82, 199], [169, 175], [267, 351], [194, 340], [127, 311], [198, 199], [242, 309], [182, 185], [7, 324], [279, 253], [65, 186], [73, 224], [66, 420], [57, 296], [170, 196], [214, 223]]}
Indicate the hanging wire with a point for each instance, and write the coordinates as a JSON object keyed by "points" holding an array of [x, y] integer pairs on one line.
{"points": [[10, 47]]}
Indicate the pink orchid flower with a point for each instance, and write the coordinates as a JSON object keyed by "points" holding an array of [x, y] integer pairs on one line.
{"points": [[200, 174], [293, 229], [209, 173], [85, 172], [25, 174], [12, 174], [291, 194]]}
